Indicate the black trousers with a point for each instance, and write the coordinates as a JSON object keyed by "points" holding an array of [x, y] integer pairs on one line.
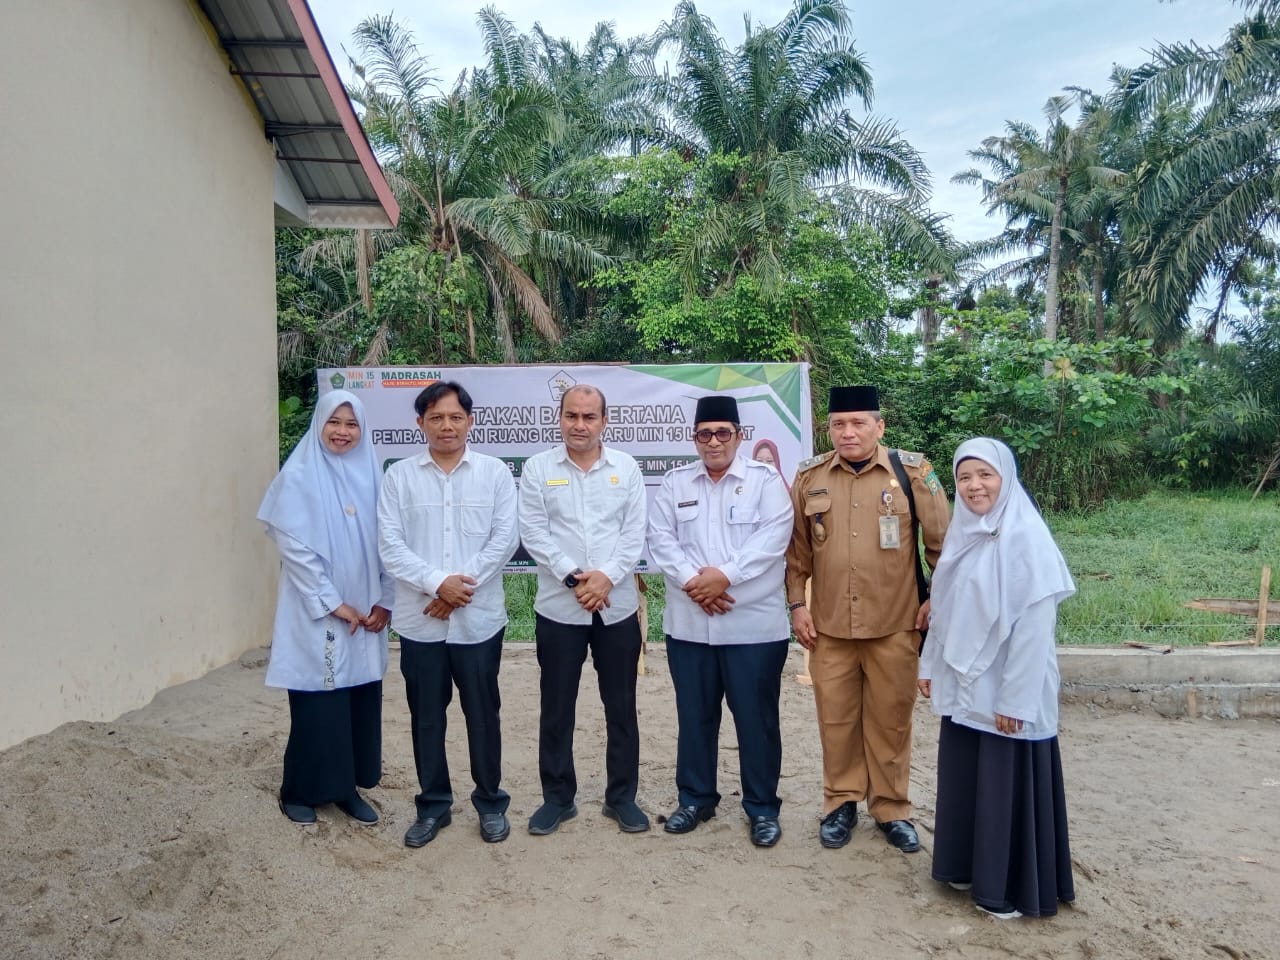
{"points": [[749, 677], [335, 744], [430, 671], [615, 652]]}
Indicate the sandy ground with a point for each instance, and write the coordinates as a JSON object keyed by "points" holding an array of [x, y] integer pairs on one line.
{"points": [[157, 836]]}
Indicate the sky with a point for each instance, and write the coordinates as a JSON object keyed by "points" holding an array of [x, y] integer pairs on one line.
{"points": [[948, 72]]}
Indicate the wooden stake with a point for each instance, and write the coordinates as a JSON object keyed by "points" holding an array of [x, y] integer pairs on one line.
{"points": [[1262, 607], [804, 678], [1267, 474], [643, 613], [1241, 608]]}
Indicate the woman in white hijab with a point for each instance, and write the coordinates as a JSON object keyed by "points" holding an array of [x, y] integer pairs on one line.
{"points": [[329, 646], [990, 668]]}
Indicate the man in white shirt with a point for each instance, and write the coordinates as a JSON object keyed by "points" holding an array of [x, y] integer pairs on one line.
{"points": [[446, 528], [718, 531], [582, 519]]}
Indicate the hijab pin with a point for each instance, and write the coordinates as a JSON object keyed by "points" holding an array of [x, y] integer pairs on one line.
{"points": [[738, 489], [995, 533]]}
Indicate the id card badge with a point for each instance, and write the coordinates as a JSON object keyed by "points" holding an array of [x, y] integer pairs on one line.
{"points": [[889, 539]]}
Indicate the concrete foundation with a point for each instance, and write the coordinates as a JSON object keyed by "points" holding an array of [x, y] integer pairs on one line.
{"points": [[1227, 683]]}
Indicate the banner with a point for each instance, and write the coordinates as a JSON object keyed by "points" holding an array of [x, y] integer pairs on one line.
{"points": [[650, 410]]}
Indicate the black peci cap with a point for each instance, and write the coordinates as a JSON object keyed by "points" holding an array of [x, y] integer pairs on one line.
{"points": [[853, 399], [716, 407]]}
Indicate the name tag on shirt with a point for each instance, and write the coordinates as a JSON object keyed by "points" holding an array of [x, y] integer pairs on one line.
{"points": [[687, 503], [889, 539], [558, 483]]}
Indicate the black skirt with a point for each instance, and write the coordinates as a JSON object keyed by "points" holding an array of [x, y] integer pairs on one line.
{"points": [[1001, 821], [335, 744]]}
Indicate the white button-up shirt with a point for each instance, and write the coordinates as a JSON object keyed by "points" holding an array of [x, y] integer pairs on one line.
{"points": [[740, 525], [432, 524], [592, 519]]}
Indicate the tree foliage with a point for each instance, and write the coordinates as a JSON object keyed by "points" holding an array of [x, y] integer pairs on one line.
{"points": [[565, 201]]}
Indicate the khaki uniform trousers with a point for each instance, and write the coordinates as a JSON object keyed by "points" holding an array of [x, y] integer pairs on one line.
{"points": [[865, 692]]}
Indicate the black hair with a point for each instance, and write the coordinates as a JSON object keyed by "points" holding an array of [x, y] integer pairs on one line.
{"points": [[434, 393]]}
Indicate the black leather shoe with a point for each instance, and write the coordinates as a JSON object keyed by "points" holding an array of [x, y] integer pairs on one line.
{"points": [[359, 809], [902, 834], [494, 827], [837, 826], [628, 815], [765, 831], [685, 819], [298, 812], [548, 817], [424, 829]]}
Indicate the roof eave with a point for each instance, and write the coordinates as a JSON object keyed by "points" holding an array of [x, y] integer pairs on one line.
{"points": [[360, 216]]}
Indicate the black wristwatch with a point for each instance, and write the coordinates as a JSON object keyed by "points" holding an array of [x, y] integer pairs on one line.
{"points": [[571, 580]]}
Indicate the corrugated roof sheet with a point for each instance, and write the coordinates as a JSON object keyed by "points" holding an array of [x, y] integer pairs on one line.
{"points": [[276, 50]]}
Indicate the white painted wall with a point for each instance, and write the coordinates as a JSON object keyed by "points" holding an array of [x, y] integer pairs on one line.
{"points": [[137, 337]]}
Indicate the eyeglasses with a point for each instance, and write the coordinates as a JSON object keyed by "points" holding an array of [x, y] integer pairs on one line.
{"points": [[724, 435]]}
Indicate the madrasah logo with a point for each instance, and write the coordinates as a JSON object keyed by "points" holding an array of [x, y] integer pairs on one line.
{"points": [[559, 383]]}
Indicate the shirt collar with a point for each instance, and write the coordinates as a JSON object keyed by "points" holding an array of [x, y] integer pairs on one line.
{"points": [[881, 459], [606, 456], [737, 469], [426, 460]]}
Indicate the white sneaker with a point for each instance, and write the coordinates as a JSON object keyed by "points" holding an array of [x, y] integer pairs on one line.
{"points": [[1000, 914], [957, 885]]}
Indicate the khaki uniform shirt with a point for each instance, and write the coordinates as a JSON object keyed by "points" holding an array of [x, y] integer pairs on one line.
{"points": [[861, 590]]}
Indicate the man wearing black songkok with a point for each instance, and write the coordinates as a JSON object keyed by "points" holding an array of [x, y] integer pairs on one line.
{"points": [[854, 535]]}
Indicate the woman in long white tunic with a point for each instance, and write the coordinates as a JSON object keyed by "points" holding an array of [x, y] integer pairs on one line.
{"points": [[329, 645], [990, 668]]}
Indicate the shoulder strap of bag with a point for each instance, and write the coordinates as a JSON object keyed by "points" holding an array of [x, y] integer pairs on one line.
{"points": [[922, 582]]}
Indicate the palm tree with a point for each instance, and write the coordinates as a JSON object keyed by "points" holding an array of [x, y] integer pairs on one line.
{"points": [[485, 210], [1036, 177], [776, 108], [1202, 214]]}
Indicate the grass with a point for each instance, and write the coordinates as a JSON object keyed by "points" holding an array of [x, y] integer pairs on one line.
{"points": [[1135, 562]]}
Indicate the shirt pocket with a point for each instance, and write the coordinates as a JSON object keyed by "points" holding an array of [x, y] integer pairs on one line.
{"points": [[610, 504], [558, 501], [817, 509], [742, 517], [477, 518], [687, 514]]}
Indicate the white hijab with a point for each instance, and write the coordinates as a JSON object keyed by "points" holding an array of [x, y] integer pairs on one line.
{"points": [[329, 503], [992, 568]]}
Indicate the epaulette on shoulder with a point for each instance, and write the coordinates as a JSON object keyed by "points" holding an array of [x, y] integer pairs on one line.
{"points": [[812, 462], [910, 458]]}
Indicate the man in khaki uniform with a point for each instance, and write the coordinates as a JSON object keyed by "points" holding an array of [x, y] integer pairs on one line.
{"points": [[853, 536]]}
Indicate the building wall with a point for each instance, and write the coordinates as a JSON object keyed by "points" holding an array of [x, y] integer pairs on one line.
{"points": [[137, 317]]}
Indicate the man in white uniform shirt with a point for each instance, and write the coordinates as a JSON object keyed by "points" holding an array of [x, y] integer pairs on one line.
{"points": [[582, 519], [718, 531], [446, 527]]}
